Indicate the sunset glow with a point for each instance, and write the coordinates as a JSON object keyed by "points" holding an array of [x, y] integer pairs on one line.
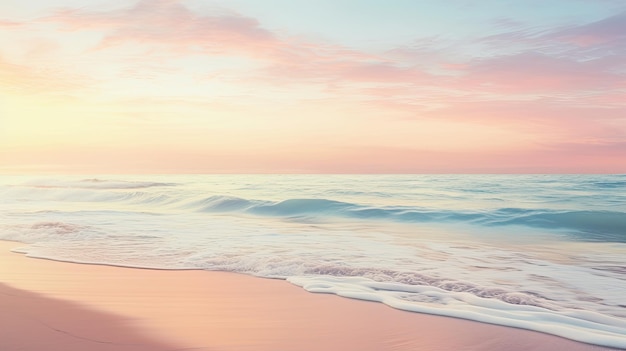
{"points": [[278, 86]]}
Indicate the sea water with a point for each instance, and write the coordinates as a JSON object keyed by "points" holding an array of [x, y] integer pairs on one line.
{"points": [[540, 252]]}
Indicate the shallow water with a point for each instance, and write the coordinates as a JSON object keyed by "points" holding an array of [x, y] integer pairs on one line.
{"points": [[540, 252]]}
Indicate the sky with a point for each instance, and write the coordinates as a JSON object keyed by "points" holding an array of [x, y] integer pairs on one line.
{"points": [[312, 86]]}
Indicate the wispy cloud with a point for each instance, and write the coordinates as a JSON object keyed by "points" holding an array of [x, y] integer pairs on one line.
{"points": [[526, 88], [9, 24], [16, 78], [537, 73], [169, 25], [608, 31], [166, 28]]}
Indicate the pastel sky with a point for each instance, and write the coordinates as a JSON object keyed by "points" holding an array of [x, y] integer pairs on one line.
{"points": [[313, 86]]}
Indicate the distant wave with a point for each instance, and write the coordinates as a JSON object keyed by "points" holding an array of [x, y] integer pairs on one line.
{"points": [[95, 183], [294, 207], [594, 222], [221, 203], [605, 225], [339, 235], [610, 185], [585, 225]]}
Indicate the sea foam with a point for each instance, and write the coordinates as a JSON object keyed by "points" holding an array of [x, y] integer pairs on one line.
{"points": [[544, 253]]}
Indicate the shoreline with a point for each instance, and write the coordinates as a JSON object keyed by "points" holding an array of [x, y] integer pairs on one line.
{"points": [[220, 311]]}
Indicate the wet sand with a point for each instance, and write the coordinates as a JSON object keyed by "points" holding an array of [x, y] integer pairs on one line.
{"points": [[54, 306]]}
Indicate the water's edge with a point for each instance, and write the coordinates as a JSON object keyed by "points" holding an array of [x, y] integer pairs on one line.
{"points": [[317, 285]]}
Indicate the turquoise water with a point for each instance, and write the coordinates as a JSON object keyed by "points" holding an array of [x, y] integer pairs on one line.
{"points": [[540, 252]]}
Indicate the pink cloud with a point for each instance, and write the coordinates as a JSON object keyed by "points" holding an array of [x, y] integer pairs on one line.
{"points": [[585, 56], [32, 80], [545, 86], [383, 72], [533, 73], [169, 28], [525, 61], [605, 31], [520, 124], [9, 24], [170, 25], [565, 120], [610, 99], [608, 31]]}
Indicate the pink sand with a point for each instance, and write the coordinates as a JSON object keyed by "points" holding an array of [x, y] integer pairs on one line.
{"points": [[55, 306]]}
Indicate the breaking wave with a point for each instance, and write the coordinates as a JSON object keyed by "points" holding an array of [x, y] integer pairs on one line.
{"points": [[339, 235], [604, 225], [581, 224]]}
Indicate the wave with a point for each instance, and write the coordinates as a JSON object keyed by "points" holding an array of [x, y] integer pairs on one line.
{"points": [[600, 225], [611, 223], [44, 231], [95, 183], [610, 184], [407, 278], [401, 289], [263, 226], [508, 308], [220, 203], [294, 207], [585, 225]]}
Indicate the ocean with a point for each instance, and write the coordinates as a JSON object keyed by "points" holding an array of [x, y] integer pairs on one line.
{"points": [[539, 252]]}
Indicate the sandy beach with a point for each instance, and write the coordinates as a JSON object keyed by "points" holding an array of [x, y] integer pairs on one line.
{"points": [[63, 306]]}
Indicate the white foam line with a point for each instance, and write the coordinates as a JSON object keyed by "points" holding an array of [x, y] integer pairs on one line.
{"points": [[572, 325]]}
